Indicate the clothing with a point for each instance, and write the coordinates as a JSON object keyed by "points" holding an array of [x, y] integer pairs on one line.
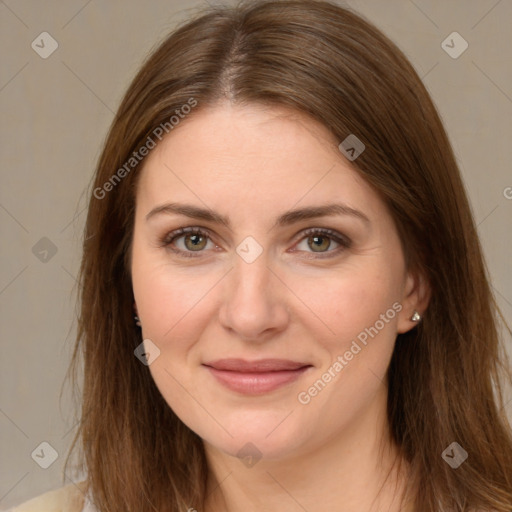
{"points": [[70, 498]]}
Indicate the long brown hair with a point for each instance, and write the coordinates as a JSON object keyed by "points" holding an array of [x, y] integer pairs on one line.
{"points": [[444, 377]]}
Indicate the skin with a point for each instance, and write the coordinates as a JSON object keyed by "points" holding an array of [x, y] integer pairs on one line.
{"points": [[252, 164]]}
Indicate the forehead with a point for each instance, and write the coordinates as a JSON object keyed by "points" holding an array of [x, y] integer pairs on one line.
{"points": [[266, 157]]}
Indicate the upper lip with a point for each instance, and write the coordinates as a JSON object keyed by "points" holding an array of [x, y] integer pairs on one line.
{"points": [[263, 365]]}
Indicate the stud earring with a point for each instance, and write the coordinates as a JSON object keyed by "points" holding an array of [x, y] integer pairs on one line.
{"points": [[416, 317], [136, 317]]}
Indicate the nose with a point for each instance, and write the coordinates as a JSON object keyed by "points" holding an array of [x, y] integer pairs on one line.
{"points": [[254, 306]]}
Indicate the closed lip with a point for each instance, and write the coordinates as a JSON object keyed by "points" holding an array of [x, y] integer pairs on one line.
{"points": [[256, 377], [260, 366]]}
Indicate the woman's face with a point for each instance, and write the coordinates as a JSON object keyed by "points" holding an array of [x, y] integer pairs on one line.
{"points": [[268, 284]]}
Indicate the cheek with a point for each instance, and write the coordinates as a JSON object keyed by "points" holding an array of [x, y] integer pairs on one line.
{"points": [[167, 297], [347, 302], [171, 306], [361, 311]]}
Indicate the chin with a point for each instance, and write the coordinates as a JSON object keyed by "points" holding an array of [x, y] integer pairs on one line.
{"points": [[257, 435]]}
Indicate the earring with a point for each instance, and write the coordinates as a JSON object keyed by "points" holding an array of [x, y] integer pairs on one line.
{"points": [[416, 317], [135, 317]]}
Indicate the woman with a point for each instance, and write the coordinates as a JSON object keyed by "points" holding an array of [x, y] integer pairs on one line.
{"points": [[284, 300]]}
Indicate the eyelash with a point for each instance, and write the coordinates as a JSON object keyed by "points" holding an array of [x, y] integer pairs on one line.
{"points": [[170, 238]]}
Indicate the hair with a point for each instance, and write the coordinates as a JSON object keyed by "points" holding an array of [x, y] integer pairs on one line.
{"points": [[446, 375]]}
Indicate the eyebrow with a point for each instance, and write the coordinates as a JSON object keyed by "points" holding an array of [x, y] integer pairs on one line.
{"points": [[286, 219]]}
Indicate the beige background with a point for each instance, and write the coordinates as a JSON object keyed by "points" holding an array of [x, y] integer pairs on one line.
{"points": [[55, 114]]}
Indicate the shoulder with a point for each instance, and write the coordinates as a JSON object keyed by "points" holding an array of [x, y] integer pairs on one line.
{"points": [[70, 498]]}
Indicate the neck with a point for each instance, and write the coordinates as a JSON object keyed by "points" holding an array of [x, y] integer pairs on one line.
{"points": [[359, 470]]}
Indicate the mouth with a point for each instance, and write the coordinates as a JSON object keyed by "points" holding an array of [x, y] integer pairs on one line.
{"points": [[256, 377]]}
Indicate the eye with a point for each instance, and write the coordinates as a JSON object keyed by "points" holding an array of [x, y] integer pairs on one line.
{"points": [[194, 240], [319, 240]]}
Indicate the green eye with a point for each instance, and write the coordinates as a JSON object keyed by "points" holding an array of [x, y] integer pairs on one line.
{"points": [[319, 240]]}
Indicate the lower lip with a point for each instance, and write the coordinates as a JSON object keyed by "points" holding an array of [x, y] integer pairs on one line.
{"points": [[256, 383]]}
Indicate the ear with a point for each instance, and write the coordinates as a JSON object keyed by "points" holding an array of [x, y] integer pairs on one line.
{"points": [[416, 297]]}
